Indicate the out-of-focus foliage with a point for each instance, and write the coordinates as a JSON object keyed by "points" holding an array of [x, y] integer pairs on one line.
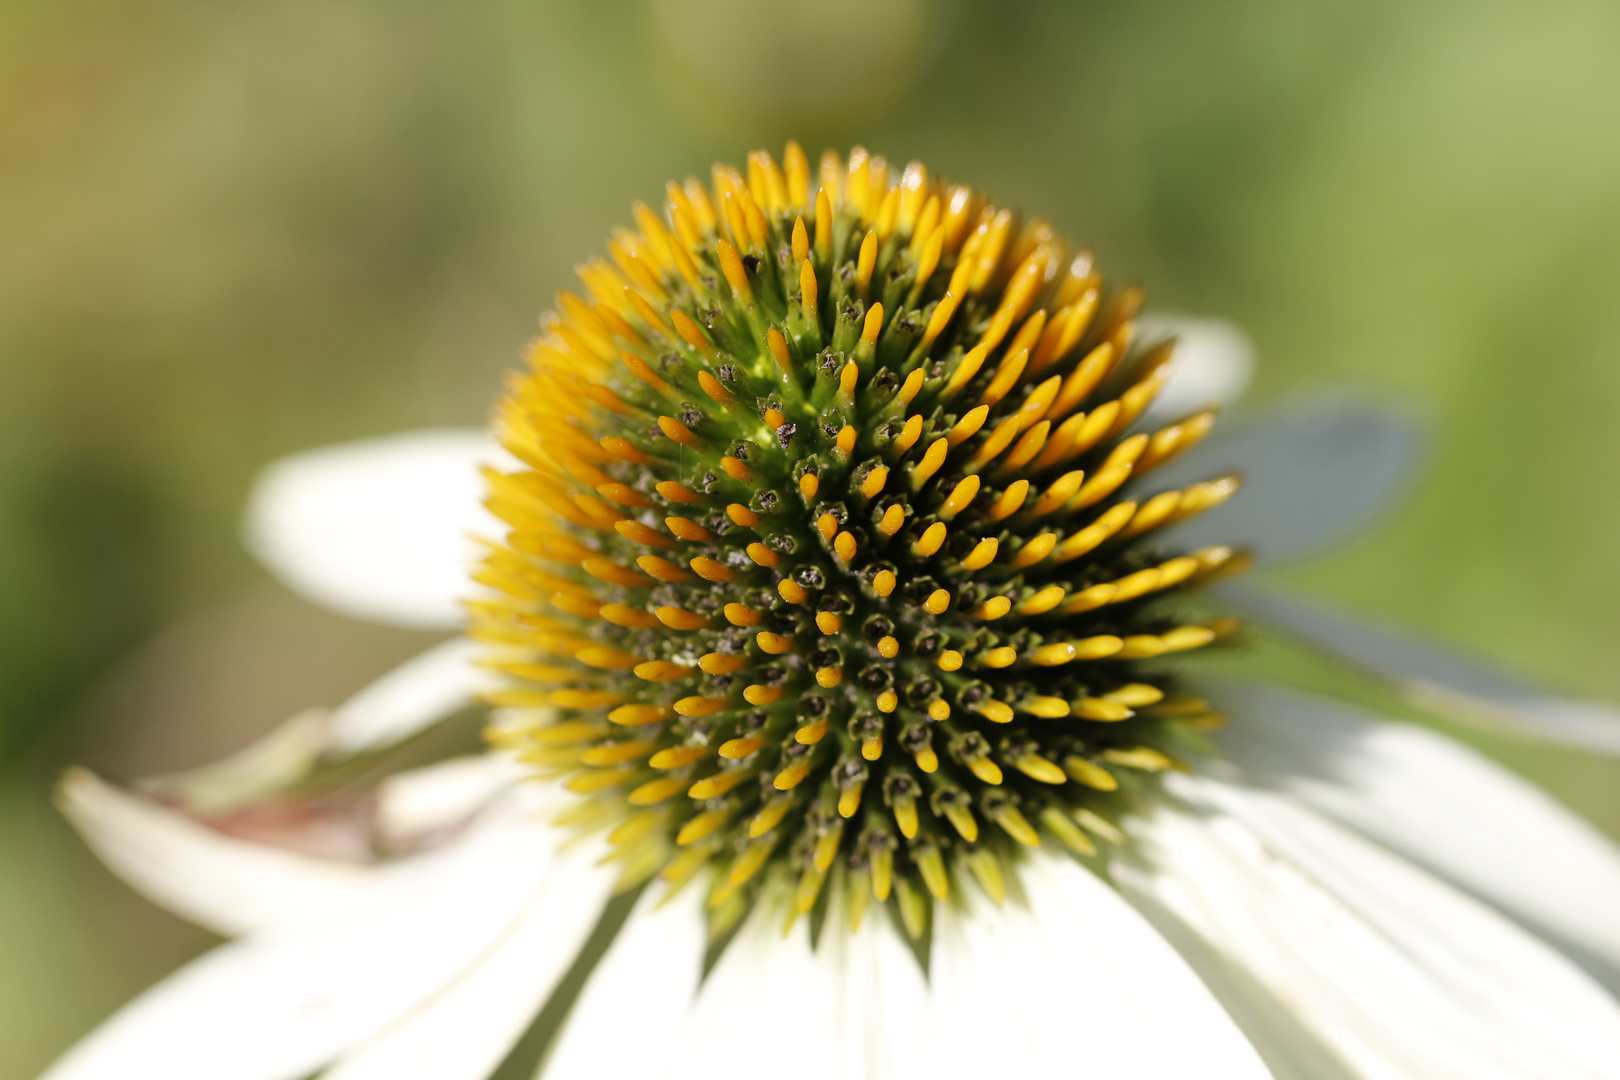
{"points": [[230, 231]]}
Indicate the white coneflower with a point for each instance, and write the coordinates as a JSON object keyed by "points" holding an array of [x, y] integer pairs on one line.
{"points": [[836, 570]]}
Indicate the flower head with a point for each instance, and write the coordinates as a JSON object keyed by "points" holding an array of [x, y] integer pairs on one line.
{"points": [[838, 567], [821, 564]]}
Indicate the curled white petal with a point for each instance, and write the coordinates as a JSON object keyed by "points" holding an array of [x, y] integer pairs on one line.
{"points": [[418, 693], [1212, 364], [279, 758], [419, 803], [379, 529], [1435, 677], [1393, 972], [1443, 805], [282, 1004], [465, 1031], [1313, 474], [228, 885]]}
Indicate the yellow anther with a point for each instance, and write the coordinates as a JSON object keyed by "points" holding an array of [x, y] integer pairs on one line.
{"points": [[769, 816], [829, 677], [926, 759], [963, 494], [985, 770], [905, 817], [791, 591], [702, 825], [873, 484], [846, 434], [600, 656], [809, 484], [983, 553], [791, 776], [872, 326], [1096, 708], [723, 664], [662, 569], [950, 660], [931, 540], [962, 820], [1017, 826], [1135, 695], [1096, 648], [761, 695], [699, 706], [661, 671], [775, 644], [1000, 657], [939, 710], [763, 555], [887, 701], [811, 733], [678, 493], [1043, 601], [1009, 501], [883, 582], [709, 570], [993, 608], [638, 533], [893, 519], [1034, 551], [655, 791], [846, 386], [742, 615], [1047, 708], [676, 756], [932, 459], [829, 622], [638, 715], [849, 800], [998, 712], [844, 545], [888, 648], [678, 431], [937, 602], [735, 749], [718, 784], [968, 426], [687, 529]]}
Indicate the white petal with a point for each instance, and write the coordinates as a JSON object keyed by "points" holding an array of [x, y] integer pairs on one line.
{"points": [[1212, 364], [277, 760], [423, 690], [1313, 475], [230, 886], [415, 805], [650, 972], [1077, 984], [1443, 805], [1396, 973], [1435, 677], [769, 1007], [280, 1005], [466, 1031], [378, 529]]}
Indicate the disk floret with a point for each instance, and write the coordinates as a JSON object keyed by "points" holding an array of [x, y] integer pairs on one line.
{"points": [[831, 557]]}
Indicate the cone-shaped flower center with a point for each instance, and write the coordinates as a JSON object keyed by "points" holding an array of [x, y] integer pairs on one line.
{"points": [[830, 561]]}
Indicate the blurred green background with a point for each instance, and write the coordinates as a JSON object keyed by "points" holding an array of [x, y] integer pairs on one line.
{"points": [[232, 231]]}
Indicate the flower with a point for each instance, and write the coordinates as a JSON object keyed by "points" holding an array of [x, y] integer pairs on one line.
{"points": [[838, 552]]}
